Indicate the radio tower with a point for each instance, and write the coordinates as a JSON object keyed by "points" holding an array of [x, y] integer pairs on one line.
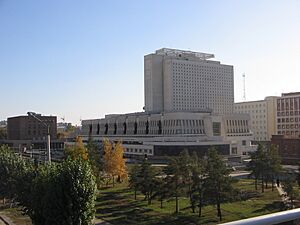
{"points": [[244, 87]]}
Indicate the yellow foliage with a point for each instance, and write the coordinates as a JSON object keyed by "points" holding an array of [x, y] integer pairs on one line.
{"points": [[78, 150], [114, 163]]}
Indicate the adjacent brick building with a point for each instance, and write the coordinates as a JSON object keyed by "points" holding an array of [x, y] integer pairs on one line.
{"points": [[29, 128], [289, 148]]}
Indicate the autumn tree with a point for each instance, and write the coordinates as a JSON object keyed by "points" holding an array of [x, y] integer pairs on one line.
{"points": [[77, 151], [114, 162]]}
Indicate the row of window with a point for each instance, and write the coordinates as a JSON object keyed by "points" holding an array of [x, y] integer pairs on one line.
{"points": [[291, 113], [287, 120], [291, 126], [135, 150]]}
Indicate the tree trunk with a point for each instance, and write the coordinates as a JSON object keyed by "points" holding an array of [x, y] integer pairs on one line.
{"points": [[161, 203], [255, 182], [272, 184], [200, 206], [176, 202], [135, 194], [113, 177], [266, 184], [262, 185], [219, 209]]}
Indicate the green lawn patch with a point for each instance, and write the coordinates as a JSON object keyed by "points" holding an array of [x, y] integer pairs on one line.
{"points": [[117, 206]]}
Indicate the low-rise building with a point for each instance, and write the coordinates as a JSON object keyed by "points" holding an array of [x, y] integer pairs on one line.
{"points": [[262, 117], [30, 128], [288, 114], [288, 147], [164, 134]]}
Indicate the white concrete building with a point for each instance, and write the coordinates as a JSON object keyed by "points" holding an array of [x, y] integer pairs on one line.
{"points": [[160, 134], [262, 117], [188, 105], [177, 80]]}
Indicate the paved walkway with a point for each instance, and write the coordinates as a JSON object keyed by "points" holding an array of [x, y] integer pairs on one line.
{"points": [[285, 199], [98, 221], [4, 220]]}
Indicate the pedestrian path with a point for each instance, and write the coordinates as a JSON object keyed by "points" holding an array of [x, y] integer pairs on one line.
{"points": [[285, 199], [98, 221]]}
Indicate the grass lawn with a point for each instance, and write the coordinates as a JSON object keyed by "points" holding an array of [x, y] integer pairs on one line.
{"points": [[117, 206]]}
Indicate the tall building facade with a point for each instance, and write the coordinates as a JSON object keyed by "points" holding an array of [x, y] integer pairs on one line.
{"points": [[288, 114], [262, 117], [177, 80]]}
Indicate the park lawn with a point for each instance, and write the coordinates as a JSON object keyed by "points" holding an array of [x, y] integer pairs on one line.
{"points": [[117, 206]]}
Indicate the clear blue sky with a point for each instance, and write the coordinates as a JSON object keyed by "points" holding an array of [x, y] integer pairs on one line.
{"points": [[84, 59]]}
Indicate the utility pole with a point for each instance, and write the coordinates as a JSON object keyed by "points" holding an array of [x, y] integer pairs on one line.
{"points": [[244, 87], [33, 115]]}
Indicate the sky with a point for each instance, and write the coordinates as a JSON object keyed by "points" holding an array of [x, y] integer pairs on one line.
{"points": [[84, 59]]}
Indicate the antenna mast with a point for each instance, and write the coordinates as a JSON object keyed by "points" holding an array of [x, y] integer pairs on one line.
{"points": [[244, 87]]}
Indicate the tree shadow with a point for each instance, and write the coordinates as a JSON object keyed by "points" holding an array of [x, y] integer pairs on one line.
{"points": [[275, 205]]}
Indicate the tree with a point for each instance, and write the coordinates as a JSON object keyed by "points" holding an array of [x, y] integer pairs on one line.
{"points": [[147, 180], [178, 172], [59, 194], [275, 163], [198, 188], [114, 162], [217, 181], [3, 133], [95, 159], [134, 178], [289, 187], [77, 151]]}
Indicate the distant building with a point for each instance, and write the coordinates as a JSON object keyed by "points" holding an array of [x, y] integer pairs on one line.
{"points": [[62, 127], [179, 80], [288, 114], [188, 106], [262, 117], [163, 134], [3, 124], [29, 128], [289, 148]]}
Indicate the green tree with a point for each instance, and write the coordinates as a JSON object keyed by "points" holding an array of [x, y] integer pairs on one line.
{"points": [[289, 187], [147, 180], [179, 175], [11, 166], [134, 178], [60, 194], [198, 184], [218, 182], [96, 160], [274, 163], [3, 133]]}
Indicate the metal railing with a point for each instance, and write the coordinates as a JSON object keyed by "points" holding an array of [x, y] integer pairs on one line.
{"points": [[273, 218]]}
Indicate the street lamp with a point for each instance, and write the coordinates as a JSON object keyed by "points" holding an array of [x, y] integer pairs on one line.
{"points": [[33, 115]]}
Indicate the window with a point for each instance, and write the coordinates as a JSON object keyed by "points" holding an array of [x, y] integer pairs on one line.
{"points": [[216, 128], [244, 142]]}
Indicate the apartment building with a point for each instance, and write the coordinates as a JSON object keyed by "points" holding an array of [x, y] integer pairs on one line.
{"points": [[262, 117], [288, 114]]}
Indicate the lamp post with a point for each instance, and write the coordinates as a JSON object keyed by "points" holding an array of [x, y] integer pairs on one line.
{"points": [[32, 114]]}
